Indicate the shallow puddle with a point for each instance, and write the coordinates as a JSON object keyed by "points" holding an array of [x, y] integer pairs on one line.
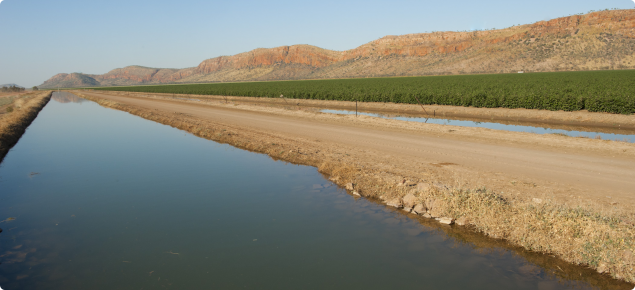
{"points": [[101, 199], [497, 126]]}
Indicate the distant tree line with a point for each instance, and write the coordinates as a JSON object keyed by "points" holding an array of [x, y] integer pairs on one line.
{"points": [[12, 89]]}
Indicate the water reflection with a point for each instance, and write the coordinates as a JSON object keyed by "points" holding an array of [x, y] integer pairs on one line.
{"points": [[628, 136], [125, 203], [65, 97]]}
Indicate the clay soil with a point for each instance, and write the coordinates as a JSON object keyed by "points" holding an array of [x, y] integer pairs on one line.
{"points": [[541, 180]]}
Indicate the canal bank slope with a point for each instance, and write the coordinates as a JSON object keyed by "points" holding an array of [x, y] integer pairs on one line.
{"points": [[17, 116], [571, 197]]}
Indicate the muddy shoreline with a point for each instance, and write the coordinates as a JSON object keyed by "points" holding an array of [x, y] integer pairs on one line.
{"points": [[479, 210]]}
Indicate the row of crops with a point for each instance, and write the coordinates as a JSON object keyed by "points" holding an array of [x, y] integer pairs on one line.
{"points": [[596, 91]]}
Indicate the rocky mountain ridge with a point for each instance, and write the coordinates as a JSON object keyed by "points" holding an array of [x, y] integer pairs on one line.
{"points": [[598, 40]]}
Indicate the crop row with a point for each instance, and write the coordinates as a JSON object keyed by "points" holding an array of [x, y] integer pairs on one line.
{"points": [[595, 91]]}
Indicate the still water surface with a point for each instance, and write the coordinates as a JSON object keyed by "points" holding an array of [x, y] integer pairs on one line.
{"points": [[106, 200], [497, 126]]}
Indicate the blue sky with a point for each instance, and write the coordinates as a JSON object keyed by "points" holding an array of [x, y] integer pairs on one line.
{"points": [[41, 38]]}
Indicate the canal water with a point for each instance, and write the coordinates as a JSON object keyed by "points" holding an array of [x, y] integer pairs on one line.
{"points": [[629, 137], [94, 198]]}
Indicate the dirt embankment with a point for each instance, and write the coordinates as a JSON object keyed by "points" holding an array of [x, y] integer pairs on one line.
{"points": [[17, 116], [544, 193]]}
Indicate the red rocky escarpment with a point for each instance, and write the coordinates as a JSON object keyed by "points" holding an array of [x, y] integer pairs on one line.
{"points": [[598, 40], [296, 54], [139, 74]]}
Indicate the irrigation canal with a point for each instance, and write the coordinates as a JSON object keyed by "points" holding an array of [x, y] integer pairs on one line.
{"points": [[627, 137], [93, 198]]}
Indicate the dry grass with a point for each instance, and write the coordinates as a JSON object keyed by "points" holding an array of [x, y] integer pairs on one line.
{"points": [[582, 235], [15, 121], [578, 235]]}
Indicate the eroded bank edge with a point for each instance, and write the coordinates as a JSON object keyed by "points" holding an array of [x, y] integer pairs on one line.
{"points": [[13, 125], [576, 235]]}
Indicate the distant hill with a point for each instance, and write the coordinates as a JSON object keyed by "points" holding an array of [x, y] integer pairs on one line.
{"points": [[69, 81], [595, 41]]}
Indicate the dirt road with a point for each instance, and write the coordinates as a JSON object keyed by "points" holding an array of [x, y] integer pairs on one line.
{"points": [[544, 166]]}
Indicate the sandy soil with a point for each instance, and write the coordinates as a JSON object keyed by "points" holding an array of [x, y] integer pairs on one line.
{"points": [[564, 169]]}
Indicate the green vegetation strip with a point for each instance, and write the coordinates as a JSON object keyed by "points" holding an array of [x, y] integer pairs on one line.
{"points": [[595, 91]]}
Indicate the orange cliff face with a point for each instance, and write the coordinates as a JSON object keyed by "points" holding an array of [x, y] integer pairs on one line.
{"points": [[619, 22], [412, 45], [523, 47], [296, 54], [133, 73], [141, 74], [406, 45], [421, 44]]}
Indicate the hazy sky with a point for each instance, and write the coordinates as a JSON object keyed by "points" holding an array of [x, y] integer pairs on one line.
{"points": [[40, 38]]}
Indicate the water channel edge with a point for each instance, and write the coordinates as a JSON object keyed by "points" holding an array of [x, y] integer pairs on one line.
{"points": [[439, 200]]}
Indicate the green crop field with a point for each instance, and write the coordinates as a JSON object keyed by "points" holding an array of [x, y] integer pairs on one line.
{"points": [[596, 91]]}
